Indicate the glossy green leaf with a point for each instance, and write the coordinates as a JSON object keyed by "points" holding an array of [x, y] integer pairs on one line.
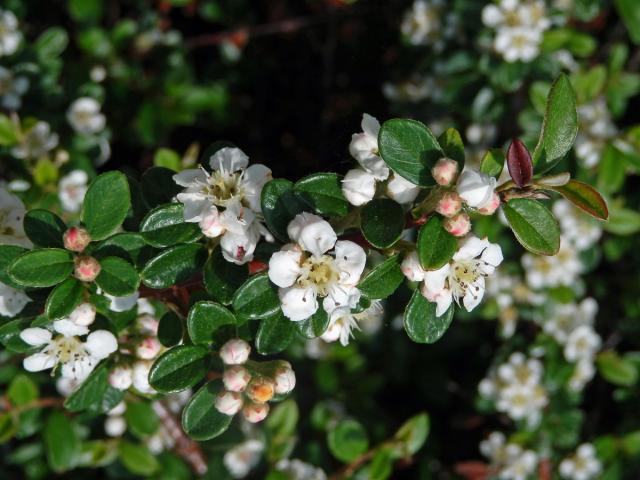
{"points": [[170, 330], [274, 334], [44, 228], [158, 186], [534, 225], [322, 192], [314, 326], [61, 442], [8, 253], [63, 299], [256, 298], [173, 265], [420, 320], [280, 205], [200, 419], [451, 143], [126, 245], [91, 391], [179, 368], [165, 226], [222, 278], [383, 279], [117, 277], [585, 197], [205, 318], [347, 440], [435, 245], [492, 163], [410, 149], [559, 128], [106, 204], [41, 268], [382, 222]]}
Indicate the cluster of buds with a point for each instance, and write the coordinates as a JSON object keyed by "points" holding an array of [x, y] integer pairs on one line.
{"points": [[77, 239], [249, 386]]}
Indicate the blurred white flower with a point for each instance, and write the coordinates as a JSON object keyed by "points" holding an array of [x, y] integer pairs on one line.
{"points": [[71, 190], [596, 128], [12, 88], [298, 470], [583, 465], [10, 36], [36, 142], [12, 301], [12, 212], [582, 344], [240, 459], [543, 271], [560, 320], [85, 117], [578, 229]]}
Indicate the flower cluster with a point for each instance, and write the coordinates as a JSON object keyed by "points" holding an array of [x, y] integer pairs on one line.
{"points": [[428, 23], [509, 461], [249, 385]]}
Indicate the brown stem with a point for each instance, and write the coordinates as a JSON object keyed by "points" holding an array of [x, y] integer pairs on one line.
{"points": [[185, 447], [44, 402], [351, 468]]}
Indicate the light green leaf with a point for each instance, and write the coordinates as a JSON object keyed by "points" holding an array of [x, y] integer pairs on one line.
{"points": [[347, 440], [61, 442], [106, 204], [435, 245], [534, 225]]}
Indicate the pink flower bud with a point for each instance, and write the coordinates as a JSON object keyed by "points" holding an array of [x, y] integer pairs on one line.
{"points": [[449, 204], [86, 269], [491, 207], [228, 403], [148, 348], [76, 239], [458, 225], [255, 413], [236, 378], [121, 377], [235, 352], [261, 389], [445, 171], [83, 315], [147, 324], [285, 379]]}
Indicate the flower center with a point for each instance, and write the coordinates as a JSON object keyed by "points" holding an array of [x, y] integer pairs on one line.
{"points": [[319, 273], [464, 274], [224, 186], [67, 349]]}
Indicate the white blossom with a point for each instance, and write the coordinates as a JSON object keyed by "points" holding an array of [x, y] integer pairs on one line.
{"points": [[316, 265], [10, 36], [476, 188], [298, 470], [342, 322], [426, 23], [543, 271], [364, 148], [71, 190], [583, 465], [509, 460], [240, 459], [12, 88], [141, 370], [583, 373], [596, 128], [12, 301], [36, 143], [85, 117], [582, 344], [12, 212], [358, 186], [560, 320], [578, 229]]}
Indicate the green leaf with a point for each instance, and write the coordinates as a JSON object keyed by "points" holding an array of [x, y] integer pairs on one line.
{"points": [[44, 228], [106, 204], [410, 149], [381, 465], [8, 427], [141, 419], [256, 298], [10, 335], [629, 13], [616, 369], [61, 442], [412, 434], [612, 170], [623, 221], [9, 133], [41, 268], [314, 326], [279, 206], [165, 226], [167, 158], [222, 278], [200, 419], [559, 127], [347, 440], [205, 318], [51, 43], [382, 222], [22, 390], [173, 265], [323, 193], [91, 391], [8, 253], [420, 320], [179, 368], [534, 226], [126, 245], [85, 10], [63, 299], [137, 459], [452, 146], [585, 197], [435, 245], [170, 329], [383, 279], [274, 334], [117, 277], [158, 186]]}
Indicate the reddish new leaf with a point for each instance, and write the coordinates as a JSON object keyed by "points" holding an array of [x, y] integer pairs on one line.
{"points": [[519, 163], [585, 197]]}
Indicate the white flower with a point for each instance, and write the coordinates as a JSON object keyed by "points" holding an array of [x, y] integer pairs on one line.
{"points": [[77, 358], [462, 279], [83, 315], [562, 269], [423, 23], [476, 188], [521, 401], [12, 88], [121, 377], [583, 372], [364, 148], [12, 213], [296, 469], [255, 412], [37, 142], [235, 352], [401, 190], [228, 403], [148, 348], [521, 43], [115, 426], [236, 378], [562, 319], [141, 376], [582, 344], [10, 36], [226, 202], [84, 116], [121, 304], [342, 322], [578, 229], [358, 186], [12, 301], [285, 379], [583, 465], [72, 189], [240, 459], [596, 128], [520, 466], [307, 269]]}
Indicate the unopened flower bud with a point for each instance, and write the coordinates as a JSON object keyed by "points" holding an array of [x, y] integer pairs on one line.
{"points": [[83, 315], [261, 389], [118, 410], [458, 225], [491, 207], [236, 378], [445, 171], [141, 376], [235, 352], [148, 348], [228, 403], [115, 426], [285, 379], [254, 412], [449, 204], [86, 269], [76, 239], [147, 324], [121, 377]]}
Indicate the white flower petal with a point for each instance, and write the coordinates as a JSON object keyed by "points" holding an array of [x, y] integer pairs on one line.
{"points": [[187, 178], [298, 303], [317, 237], [35, 336], [101, 343], [284, 267], [229, 159], [38, 362], [358, 186], [69, 329], [350, 260]]}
